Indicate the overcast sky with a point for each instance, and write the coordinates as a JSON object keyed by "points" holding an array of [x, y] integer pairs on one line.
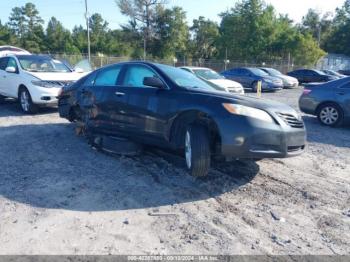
{"points": [[71, 12]]}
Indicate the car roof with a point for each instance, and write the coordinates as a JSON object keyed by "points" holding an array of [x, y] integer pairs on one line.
{"points": [[195, 67]]}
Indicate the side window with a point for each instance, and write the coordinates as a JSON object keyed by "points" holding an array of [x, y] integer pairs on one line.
{"points": [[235, 72], [12, 62], [347, 85], [90, 80], [108, 76], [136, 74], [3, 63], [245, 72]]}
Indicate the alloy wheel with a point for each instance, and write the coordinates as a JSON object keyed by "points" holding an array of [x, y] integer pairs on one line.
{"points": [[25, 101]]}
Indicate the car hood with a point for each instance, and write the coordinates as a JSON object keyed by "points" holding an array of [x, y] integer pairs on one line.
{"points": [[71, 76], [225, 83], [270, 106]]}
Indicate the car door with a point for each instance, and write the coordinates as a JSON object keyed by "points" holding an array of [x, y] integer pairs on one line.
{"points": [[11, 81], [247, 78], [3, 65], [102, 102], [342, 94], [143, 103]]}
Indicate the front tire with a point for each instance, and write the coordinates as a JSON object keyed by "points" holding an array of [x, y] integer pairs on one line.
{"points": [[330, 115], [197, 150], [26, 102]]}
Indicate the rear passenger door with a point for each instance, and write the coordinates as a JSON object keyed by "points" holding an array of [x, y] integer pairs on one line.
{"points": [[101, 102]]}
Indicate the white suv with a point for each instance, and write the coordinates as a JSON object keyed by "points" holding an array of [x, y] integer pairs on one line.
{"points": [[34, 80]]}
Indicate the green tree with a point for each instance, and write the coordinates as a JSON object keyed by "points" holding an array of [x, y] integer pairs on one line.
{"points": [[79, 36], [59, 39], [318, 25], [6, 37], [171, 33], [251, 31], [143, 14], [205, 36], [248, 30], [339, 39], [26, 24], [99, 31]]}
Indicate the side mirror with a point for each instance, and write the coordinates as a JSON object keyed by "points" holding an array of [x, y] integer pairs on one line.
{"points": [[11, 69], [153, 82]]}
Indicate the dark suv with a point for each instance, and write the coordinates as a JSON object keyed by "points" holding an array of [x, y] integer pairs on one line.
{"points": [[310, 76], [168, 107]]}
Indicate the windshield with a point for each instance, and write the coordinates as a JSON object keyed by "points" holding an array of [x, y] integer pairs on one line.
{"points": [[319, 72], [42, 64], [207, 74], [185, 79], [273, 72], [258, 72], [331, 72]]}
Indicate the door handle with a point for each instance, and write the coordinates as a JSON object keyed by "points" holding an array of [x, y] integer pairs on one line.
{"points": [[119, 94]]}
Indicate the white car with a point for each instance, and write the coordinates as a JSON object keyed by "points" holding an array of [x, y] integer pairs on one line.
{"points": [[216, 79], [34, 80]]}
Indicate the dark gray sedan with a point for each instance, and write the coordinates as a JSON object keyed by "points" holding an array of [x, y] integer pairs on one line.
{"points": [[330, 102]]}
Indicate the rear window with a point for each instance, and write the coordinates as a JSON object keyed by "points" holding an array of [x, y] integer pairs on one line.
{"points": [[108, 76]]}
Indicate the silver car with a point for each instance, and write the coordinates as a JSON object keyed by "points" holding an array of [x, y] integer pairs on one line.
{"points": [[288, 81]]}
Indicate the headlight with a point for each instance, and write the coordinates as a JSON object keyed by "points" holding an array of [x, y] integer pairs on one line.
{"points": [[45, 84], [248, 111]]}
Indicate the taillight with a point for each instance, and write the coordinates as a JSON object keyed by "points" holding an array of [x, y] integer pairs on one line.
{"points": [[307, 91]]}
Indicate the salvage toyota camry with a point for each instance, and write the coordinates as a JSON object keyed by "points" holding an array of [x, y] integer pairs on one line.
{"points": [[163, 106]]}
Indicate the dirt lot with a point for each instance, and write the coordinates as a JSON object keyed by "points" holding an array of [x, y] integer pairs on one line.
{"points": [[59, 196]]}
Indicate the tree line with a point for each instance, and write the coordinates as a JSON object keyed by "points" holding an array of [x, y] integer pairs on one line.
{"points": [[250, 31]]}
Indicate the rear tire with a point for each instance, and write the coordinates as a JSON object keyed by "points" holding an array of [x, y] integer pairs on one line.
{"points": [[330, 114], [26, 103], [197, 150]]}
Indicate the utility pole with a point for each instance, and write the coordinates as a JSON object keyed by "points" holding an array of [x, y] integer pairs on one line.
{"points": [[88, 29]]}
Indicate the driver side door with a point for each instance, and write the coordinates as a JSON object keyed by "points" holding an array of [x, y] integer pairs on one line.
{"points": [[143, 109]]}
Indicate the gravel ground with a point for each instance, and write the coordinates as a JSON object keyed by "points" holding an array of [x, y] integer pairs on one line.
{"points": [[59, 196]]}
